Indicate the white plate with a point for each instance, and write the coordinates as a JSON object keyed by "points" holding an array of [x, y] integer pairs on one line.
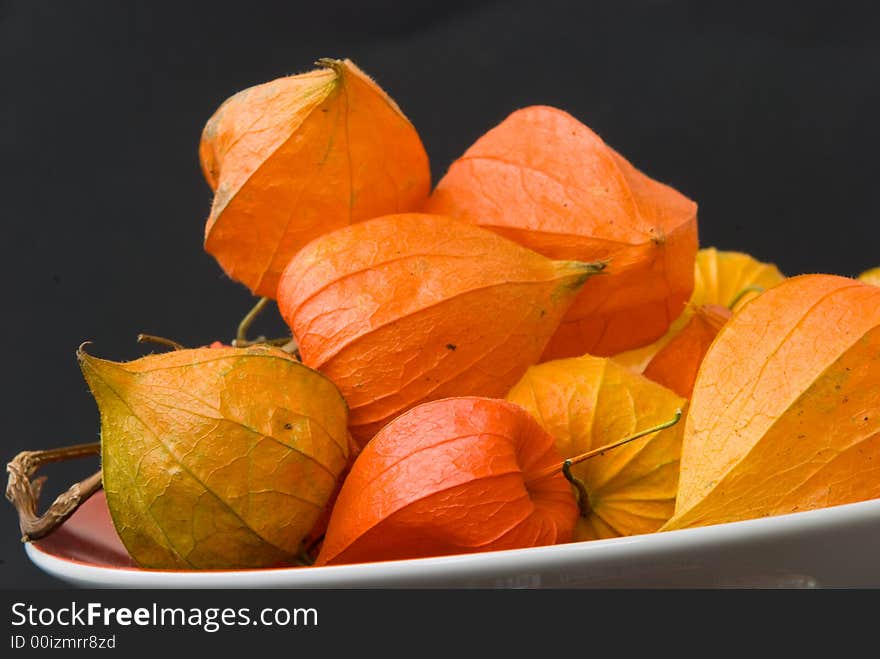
{"points": [[831, 547]]}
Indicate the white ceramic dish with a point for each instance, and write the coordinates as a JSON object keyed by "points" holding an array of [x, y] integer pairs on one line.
{"points": [[831, 547]]}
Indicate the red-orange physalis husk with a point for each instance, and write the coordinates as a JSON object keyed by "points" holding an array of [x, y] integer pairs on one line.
{"points": [[452, 476]]}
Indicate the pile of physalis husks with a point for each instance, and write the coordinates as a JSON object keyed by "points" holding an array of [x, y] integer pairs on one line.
{"points": [[535, 350]]}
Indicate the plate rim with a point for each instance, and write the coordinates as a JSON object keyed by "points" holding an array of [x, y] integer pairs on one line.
{"points": [[528, 559]]}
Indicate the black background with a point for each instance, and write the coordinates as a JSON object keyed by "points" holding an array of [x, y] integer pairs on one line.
{"points": [[765, 113]]}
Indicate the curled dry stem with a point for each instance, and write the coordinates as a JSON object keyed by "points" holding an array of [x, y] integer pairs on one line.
{"points": [[25, 493]]}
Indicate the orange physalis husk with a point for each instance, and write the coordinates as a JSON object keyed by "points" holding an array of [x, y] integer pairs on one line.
{"points": [[785, 413], [451, 476], [409, 308], [299, 156], [676, 364], [217, 458], [591, 402], [547, 181], [720, 278], [871, 276]]}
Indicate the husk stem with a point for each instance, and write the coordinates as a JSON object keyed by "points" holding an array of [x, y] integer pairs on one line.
{"points": [[582, 494], [241, 340], [160, 340]]}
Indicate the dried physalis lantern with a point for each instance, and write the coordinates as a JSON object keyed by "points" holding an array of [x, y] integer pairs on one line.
{"points": [[545, 180], [452, 476], [299, 156], [404, 309], [590, 404], [217, 457], [785, 413]]}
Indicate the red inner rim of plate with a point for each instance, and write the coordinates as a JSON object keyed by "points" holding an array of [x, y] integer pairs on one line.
{"points": [[88, 537]]}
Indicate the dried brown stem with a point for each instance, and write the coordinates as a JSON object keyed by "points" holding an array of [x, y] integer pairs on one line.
{"points": [[160, 340], [25, 494]]}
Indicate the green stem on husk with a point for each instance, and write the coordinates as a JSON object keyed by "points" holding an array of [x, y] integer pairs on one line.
{"points": [[241, 340], [583, 498], [286, 343]]}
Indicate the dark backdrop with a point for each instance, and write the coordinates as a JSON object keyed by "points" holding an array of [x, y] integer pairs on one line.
{"points": [[765, 113]]}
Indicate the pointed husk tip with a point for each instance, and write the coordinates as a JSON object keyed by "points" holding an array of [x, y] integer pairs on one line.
{"points": [[336, 65]]}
